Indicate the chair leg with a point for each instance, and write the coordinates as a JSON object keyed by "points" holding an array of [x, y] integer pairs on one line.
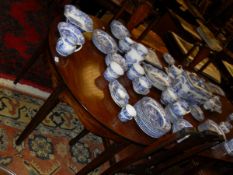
{"points": [[107, 143], [49, 104], [78, 137], [31, 61], [103, 157]]}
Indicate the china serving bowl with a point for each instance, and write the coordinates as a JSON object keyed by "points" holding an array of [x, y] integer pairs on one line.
{"points": [[117, 58], [71, 33], [118, 30], [104, 42], [78, 18], [158, 78], [151, 117]]}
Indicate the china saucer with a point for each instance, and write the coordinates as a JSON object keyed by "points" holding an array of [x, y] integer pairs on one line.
{"points": [[118, 30]]}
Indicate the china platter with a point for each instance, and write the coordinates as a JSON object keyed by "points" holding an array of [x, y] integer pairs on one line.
{"points": [[158, 78], [118, 93], [78, 18], [152, 58], [69, 30], [151, 117], [118, 30], [104, 42]]}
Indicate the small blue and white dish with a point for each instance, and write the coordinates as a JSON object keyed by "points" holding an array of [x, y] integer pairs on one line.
{"points": [[158, 78], [118, 30], [71, 33], [169, 96], [125, 44], [65, 48], [132, 56], [127, 113], [135, 71], [168, 58], [151, 117], [113, 71], [141, 85], [197, 112], [117, 58], [118, 93], [104, 42], [78, 18], [180, 124]]}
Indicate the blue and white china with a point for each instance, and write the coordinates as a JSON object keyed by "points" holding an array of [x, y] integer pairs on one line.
{"points": [[151, 117], [213, 104], [141, 85], [170, 115], [132, 56], [180, 124], [158, 78], [104, 42], [180, 108], [65, 48], [118, 30], [141, 49], [229, 147], [125, 44], [153, 59], [210, 125], [225, 126], [168, 58], [71, 33], [174, 71], [127, 113], [78, 18], [136, 70], [117, 58], [118, 93], [191, 88], [197, 112], [230, 117], [168, 96], [113, 71], [215, 89]]}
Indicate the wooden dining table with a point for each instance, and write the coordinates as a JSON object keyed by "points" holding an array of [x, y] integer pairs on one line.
{"points": [[82, 75]]}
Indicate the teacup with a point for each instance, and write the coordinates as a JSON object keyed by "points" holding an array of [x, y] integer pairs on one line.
{"points": [[136, 70], [113, 71], [117, 58], [127, 113], [174, 71], [65, 48], [132, 56], [120, 94], [141, 85], [141, 49], [125, 44], [213, 104], [168, 96]]}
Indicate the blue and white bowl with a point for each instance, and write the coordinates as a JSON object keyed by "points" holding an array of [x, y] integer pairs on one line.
{"points": [[118, 30], [78, 18], [71, 33], [135, 71], [197, 113], [117, 58], [113, 71], [104, 42], [141, 85]]}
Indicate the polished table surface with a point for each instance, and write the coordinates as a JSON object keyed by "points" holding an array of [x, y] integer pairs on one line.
{"points": [[82, 73]]}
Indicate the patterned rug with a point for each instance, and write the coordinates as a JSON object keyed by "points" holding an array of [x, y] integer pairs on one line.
{"points": [[46, 151]]}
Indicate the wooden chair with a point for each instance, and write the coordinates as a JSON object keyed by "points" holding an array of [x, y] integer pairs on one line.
{"points": [[166, 152]]}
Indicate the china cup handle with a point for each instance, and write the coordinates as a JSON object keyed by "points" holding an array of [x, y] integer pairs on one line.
{"points": [[79, 48]]}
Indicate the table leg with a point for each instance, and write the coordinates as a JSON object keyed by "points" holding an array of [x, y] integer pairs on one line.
{"points": [[49, 104], [103, 157]]}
